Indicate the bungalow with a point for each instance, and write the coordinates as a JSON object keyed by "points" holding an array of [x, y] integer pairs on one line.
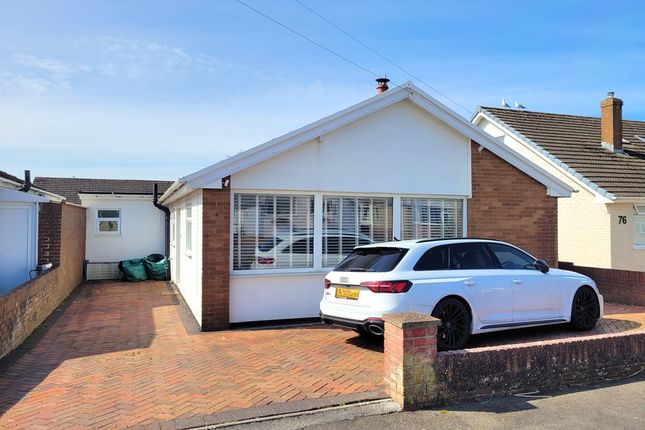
{"points": [[253, 235], [122, 220], [601, 228]]}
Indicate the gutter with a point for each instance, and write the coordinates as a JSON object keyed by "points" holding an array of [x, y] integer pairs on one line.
{"points": [[166, 211]]}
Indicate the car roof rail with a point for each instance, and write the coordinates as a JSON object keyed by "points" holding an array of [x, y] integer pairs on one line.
{"points": [[457, 238]]}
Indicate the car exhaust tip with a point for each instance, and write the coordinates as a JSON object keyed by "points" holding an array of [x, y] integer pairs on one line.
{"points": [[376, 330]]}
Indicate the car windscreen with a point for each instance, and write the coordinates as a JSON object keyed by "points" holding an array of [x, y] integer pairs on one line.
{"points": [[371, 260]]}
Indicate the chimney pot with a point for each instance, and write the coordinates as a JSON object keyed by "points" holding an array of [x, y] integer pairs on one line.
{"points": [[381, 85], [611, 123]]}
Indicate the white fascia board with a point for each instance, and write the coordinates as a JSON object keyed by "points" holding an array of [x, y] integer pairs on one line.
{"points": [[115, 196], [555, 187], [214, 173], [13, 195], [168, 195], [11, 185], [601, 194]]}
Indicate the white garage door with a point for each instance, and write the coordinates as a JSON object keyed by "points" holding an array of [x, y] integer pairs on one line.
{"points": [[17, 243]]}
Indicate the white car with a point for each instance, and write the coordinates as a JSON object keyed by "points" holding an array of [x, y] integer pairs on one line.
{"points": [[471, 285], [296, 248]]}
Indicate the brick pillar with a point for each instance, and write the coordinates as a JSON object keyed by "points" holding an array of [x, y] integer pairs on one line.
{"points": [[49, 233], [410, 355], [215, 258]]}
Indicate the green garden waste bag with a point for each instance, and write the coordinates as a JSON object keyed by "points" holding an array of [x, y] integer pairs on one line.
{"points": [[133, 270], [156, 266]]}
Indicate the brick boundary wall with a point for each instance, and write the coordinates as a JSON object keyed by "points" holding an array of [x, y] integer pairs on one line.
{"points": [[216, 230], [509, 205], [617, 286], [61, 241], [495, 371]]}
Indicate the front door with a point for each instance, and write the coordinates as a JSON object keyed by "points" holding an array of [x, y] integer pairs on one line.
{"points": [[178, 239]]}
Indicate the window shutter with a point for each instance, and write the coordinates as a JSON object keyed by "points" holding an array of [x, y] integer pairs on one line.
{"points": [[431, 218]]}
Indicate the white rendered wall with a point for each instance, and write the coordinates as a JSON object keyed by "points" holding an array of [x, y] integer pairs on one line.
{"points": [[186, 266], [400, 149], [275, 297], [142, 228]]}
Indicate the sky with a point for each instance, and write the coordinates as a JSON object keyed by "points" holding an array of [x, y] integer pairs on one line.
{"points": [[160, 89]]}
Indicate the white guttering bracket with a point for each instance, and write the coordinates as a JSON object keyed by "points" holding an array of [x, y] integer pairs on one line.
{"points": [[603, 196]]}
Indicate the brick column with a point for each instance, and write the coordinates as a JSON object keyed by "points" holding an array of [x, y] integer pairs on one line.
{"points": [[49, 233], [410, 355], [215, 258]]}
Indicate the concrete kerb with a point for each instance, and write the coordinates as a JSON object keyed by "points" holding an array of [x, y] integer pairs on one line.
{"points": [[375, 402]]}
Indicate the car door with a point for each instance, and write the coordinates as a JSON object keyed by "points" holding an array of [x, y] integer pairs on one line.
{"points": [[491, 294], [536, 295]]}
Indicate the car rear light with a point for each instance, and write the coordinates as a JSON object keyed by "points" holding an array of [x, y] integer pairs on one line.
{"points": [[265, 260], [327, 283], [393, 287]]}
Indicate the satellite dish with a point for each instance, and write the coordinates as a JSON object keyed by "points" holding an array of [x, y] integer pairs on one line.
{"points": [[504, 104], [519, 105]]}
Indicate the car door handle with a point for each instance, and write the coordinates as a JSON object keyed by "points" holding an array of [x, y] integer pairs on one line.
{"points": [[470, 283], [518, 281]]}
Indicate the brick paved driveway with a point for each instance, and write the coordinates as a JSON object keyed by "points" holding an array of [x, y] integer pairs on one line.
{"points": [[119, 355]]}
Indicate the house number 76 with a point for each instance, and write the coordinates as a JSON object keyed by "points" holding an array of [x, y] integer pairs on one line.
{"points": [[622, 219]]}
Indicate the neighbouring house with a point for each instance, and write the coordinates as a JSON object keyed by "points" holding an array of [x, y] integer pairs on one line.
{"points": [[253, 235], [19, 204], [122, 220], [42, 249], [601, 228]]}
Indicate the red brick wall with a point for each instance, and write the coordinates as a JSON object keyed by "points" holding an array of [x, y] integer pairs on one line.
{"points": [[215, 258], [511, 206], [616, 286], [61, 241], [487, 372], [49, 230]]}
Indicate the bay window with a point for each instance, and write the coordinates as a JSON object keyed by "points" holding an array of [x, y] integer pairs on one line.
{"points": [[423, 218], [272, 231], [352, 221]]}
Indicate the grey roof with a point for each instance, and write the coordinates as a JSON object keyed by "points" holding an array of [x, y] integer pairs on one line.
{"points": [[12, 178], [575, 141], [71, 187]]}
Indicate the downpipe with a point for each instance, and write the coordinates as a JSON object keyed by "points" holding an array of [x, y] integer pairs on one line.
{"points": [[166, 211]]}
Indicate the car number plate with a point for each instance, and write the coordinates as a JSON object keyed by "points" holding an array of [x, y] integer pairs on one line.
{"points": [[347, 293]]}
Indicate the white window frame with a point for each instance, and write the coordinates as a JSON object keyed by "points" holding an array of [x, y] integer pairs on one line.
{"points": [[318, 224], [173, 228], [98, 219], [188, 230], [638, 220]]}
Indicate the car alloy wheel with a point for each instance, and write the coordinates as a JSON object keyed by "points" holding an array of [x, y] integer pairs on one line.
{"points": [[454, 330], [585, 309]]}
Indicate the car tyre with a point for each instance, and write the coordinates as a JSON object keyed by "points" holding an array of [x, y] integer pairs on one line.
{"points": [[585, 309], [454, 330]]}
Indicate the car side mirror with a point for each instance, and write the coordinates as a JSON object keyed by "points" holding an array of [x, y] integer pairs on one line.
{"points": [[541, 265]]}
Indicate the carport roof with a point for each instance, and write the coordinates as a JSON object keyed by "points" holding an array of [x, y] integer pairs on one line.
{"points": [[71, 187]]}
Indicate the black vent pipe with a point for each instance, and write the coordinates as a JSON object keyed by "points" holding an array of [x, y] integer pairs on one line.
{"points": [[27, 186]]}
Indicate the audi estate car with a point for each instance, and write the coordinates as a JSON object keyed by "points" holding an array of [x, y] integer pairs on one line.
{"points": [[471, 285]]}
